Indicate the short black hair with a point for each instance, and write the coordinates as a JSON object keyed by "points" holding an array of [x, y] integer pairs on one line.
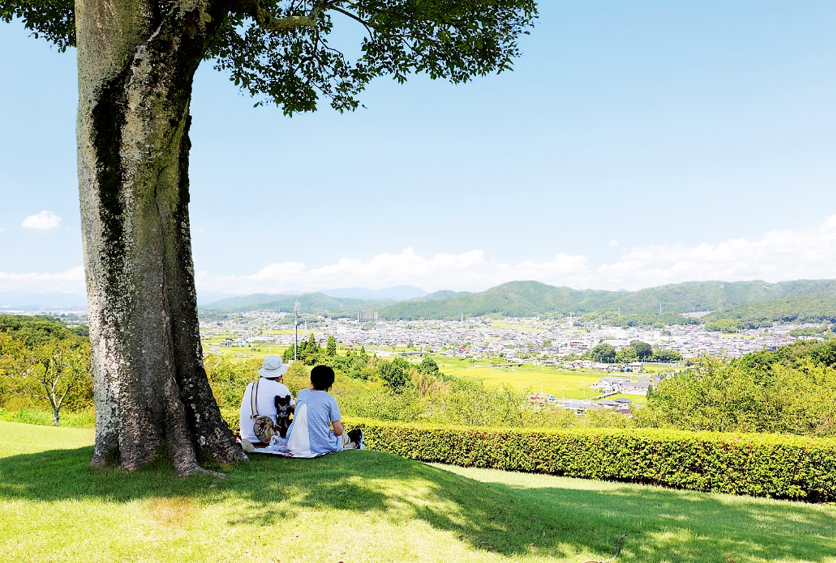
{"points": [[322, 378]]}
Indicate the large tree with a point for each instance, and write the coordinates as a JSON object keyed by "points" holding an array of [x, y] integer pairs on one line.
{"points": [[136, 63]]}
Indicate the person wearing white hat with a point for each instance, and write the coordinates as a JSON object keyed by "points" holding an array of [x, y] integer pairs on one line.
{"points": [[269, 387]]}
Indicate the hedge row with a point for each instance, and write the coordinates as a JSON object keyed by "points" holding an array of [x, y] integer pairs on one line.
{"points": [[765, 465]]}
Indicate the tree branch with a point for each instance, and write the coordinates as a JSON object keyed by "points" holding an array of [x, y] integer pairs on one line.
{"points": [[68, 389], [346, 13], [254, 9]]}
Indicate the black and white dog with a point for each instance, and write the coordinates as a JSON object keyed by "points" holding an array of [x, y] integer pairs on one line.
{"points": [[282, 415]]}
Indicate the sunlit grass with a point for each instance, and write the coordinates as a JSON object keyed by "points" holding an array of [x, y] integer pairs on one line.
{"points": [[43, 417], [362, 506]]}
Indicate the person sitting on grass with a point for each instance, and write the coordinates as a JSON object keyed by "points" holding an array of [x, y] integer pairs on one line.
{"points": [[269, 387], [317, 428]]}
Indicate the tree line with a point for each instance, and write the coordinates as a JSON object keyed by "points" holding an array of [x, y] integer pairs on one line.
{"points": [[637, 351], [791, 390]]}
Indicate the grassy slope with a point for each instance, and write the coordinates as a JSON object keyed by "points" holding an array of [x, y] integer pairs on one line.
{"points": [[367, 506]]}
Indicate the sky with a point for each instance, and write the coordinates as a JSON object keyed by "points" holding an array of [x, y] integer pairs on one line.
{"points": [[634, 145]]}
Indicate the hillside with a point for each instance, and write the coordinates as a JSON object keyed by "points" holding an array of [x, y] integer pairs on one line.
{"points": [[38, 329], [528, 298], [309, 303], [802, 309]]}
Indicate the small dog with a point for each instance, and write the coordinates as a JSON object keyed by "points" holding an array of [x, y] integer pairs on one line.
{"points": [[282, 415]]}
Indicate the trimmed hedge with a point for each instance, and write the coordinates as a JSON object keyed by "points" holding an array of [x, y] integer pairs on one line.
{"points": [[764, 465]]}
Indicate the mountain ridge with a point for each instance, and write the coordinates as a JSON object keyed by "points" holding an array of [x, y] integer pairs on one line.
{"points": [[530, 298]]}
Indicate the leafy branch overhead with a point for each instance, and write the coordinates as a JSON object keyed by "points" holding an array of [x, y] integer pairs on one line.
{"points": [[280, 51]]}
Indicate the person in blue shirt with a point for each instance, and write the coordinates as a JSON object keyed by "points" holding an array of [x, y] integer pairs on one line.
{"points": [[317, 427]]}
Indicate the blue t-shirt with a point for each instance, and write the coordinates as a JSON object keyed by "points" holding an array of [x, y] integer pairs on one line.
{"points": [[310, 432]]}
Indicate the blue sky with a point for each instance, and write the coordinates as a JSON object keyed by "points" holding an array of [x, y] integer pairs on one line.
{"points": [[635, 144]]}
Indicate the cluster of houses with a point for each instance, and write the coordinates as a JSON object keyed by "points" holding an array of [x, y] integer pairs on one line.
{"points": [[622, 385], [607, 386], [531, 340], [580, 406]]}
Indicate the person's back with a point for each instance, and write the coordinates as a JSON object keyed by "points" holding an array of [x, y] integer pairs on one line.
{"points": [[310, 433], [269, 387]]}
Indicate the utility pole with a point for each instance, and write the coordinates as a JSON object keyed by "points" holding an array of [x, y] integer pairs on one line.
{"points": [[296, 330]]}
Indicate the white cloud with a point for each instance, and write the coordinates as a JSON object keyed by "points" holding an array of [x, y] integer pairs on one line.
{"points": [[469, 270], [71, 281], [613, 242], [45, 220], [777, 255]]}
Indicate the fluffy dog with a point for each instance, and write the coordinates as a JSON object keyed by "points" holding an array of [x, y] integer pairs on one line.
{"points": [[282, 415]]}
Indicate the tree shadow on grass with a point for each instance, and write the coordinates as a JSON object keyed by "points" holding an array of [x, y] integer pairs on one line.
{"points": [[551, 520]]}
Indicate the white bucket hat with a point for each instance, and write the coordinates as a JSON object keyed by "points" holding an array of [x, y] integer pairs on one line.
{"points": [[272, 367]]}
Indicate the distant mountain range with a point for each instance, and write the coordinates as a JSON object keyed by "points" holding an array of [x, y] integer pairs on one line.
{"points": [[309, 303], [754, 303], [24, 301], [396, 293], [528, 298]]}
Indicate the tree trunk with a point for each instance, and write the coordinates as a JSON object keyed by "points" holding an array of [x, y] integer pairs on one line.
{"points": [[55, 417], [136, 62]]}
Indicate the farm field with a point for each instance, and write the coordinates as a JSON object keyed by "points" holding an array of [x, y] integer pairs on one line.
{"points": [[243, 352], [53, 507], [553, 381]]}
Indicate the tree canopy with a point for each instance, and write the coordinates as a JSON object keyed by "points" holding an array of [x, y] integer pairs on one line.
{"points": [[282, 51], [603, 353]]}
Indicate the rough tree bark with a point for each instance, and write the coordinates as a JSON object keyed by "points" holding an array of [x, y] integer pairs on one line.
{"points": [[136, 62]]}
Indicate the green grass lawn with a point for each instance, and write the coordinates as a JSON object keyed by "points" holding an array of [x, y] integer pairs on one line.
{"points": [[368, 506]]}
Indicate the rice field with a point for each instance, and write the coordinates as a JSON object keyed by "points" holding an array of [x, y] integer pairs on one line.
{"points": [[554, 381]]}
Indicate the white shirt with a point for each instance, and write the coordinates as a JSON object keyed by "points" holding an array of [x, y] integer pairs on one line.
{"points": [[268, 390]]}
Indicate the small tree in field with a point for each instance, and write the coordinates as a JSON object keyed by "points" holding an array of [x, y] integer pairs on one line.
{"points": [[428, 366], [310, 351], [51, 372], [396, 374], [331, 347], [136, 64]]}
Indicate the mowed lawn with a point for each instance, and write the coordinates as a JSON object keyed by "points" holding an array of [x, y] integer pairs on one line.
{"points": [[367, 506]]}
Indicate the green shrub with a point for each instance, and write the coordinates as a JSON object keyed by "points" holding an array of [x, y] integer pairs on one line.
{"points": [[766, 465]]}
